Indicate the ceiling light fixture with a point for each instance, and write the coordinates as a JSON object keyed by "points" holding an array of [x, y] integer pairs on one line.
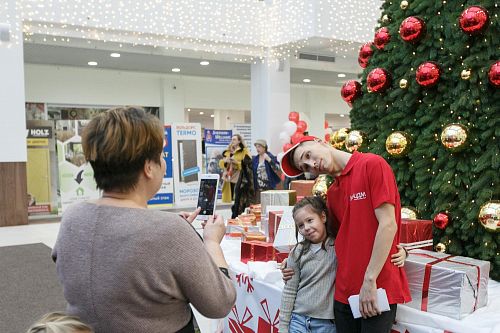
{"points": [[189, 109], [92, 63], [342, 115], [115, 55], [306, 80], [202, 113], [176, 70], [204, 63], [341, 75], [211, 116]]}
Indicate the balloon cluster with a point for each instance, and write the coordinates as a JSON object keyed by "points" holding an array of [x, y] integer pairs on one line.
{"points": [[293, 130]]}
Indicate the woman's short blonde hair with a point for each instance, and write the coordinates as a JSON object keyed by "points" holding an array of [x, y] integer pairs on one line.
{"points": [[118, 142], [58, 322]]}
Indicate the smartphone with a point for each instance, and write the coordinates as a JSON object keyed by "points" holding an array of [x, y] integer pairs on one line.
{"points": [[207, 197]]}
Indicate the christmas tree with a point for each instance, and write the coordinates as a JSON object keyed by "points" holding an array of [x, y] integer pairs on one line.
{"points": [[432, 73]]}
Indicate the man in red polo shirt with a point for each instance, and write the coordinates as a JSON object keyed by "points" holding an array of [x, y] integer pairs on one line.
{"points": [[365, 209]]}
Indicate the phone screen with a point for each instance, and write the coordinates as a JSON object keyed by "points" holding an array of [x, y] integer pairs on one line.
{"points": [[207, 195]]}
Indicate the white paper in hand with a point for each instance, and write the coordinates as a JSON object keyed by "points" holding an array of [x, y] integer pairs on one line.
{"points": [[382, 302]]}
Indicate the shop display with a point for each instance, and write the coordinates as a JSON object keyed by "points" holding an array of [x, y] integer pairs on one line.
{"points": [[447, 285]]}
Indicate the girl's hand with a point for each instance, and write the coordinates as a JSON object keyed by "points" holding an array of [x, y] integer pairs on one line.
{"points": [[399, 258]]}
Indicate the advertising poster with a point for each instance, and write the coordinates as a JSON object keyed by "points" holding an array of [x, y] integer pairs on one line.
{"points": [[165, 196], [76, 177], [42, 197], [187, 162], [245, 130], [216, 141]]}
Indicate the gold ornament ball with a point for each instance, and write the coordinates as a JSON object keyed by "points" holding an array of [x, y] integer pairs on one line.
{"points": [[489, 216], [465, 74], [454, 136], [354, 140], [403, 83], [403, 5], [440, 247], [409, 213], [398, 144], [385, 19], [337, 140], [321, 185]]}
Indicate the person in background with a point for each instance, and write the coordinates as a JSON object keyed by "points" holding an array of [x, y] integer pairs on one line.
{"points": [[266, 169], [364, 208], [231, 164], [58, 322], [126, 268]]}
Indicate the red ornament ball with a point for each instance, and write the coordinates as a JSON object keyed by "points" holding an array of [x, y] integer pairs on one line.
{"points": [[350, 91], [378, 80], [441, 220], [428, 74], [382, 37], [474, 20], [412, 29], [494, 74], [365, 53]]}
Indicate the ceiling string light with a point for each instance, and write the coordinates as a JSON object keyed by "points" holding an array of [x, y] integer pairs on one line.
{"points": [[251, 30]]}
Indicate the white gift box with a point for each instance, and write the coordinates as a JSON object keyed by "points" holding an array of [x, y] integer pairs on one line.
{"points": [[447, 285]]}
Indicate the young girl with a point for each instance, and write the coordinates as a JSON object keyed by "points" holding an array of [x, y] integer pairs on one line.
{"points": [[307, 300]]}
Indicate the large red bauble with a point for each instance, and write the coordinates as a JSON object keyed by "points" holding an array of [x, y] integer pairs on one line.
{"points": [[473, 20], [428, 74], [441, 220], [293, 116], [412, 29], [301, 126], [350, 91], [382, 37], [365, 53], [378, 80], [494, 74]]}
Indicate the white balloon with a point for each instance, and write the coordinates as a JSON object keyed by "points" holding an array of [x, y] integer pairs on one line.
{"points": [[280, 156], [284, 138], [290, 127]]}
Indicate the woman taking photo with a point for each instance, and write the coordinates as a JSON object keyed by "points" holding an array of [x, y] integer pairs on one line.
{"points": [[123, 267]]}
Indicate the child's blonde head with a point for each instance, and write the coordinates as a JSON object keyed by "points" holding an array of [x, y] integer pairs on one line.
{"points": [[57, 322]]}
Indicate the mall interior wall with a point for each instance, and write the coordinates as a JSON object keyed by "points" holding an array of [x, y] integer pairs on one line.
{"points": [[94, 86]]}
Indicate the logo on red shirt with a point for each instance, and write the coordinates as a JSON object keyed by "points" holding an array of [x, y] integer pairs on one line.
{"points": [[358, 196]]}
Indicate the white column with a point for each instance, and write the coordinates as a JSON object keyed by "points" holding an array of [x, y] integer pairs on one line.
{"points": [[270, 94], [12, 111], [172, 100]]}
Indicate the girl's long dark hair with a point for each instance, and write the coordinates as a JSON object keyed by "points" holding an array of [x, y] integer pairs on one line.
{"points": [[318, 206]]}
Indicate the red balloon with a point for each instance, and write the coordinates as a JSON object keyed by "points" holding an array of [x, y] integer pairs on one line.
{"points": [[294, 116], [350, 91], [382, 37], [474, 20], [326, 124], [327, 137], [301, 126], [365, 53], [296, 137], [287, 146], [494, 74], [412, 29], [378, 80], [441, 220], [428, 74]]}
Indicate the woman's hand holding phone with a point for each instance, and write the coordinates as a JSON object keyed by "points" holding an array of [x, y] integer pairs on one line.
{"points": [[190, 217], [214, 229]]}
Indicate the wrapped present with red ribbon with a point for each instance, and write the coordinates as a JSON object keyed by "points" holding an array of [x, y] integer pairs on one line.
{"points": [[447, 285], [257, 251], [303, 187], [237, 325], [416, 234], [270, 323], [273, 224]]}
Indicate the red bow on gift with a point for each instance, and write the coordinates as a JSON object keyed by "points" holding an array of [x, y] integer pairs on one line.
{"points": [[246, 280], [268, 326], [237, 325]]}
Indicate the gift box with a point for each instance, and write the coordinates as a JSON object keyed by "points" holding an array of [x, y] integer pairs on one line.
{"points": [[273, 224], [281, 256], [286, 237], [248, 218], [447, 285], [257, 251], [235, 228], [277, 198], [253, 236], [257, 211], [416, 234], [303, 187]]}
